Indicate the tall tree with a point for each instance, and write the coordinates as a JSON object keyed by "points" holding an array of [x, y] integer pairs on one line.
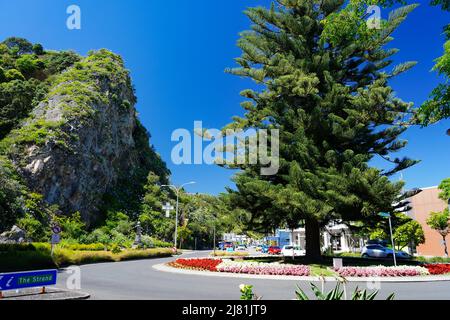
{"points": [[322, 80], [440, 221], [437, 107]]}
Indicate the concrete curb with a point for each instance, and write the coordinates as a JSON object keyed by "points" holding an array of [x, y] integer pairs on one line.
{"points": [[54, 294], [166, 268]]}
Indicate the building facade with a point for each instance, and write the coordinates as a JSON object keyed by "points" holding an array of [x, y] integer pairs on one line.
{"points": [[423, 204]]}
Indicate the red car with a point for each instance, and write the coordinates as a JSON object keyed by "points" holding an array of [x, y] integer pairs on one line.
{"points": [[274, 250]]}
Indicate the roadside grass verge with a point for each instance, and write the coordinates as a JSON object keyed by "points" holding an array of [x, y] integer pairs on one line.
{"points": [[321, 270], [40, 257]]}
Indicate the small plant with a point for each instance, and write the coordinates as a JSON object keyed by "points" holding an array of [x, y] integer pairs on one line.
{"points": [[338, 294], [116, 249], [247, 293]]}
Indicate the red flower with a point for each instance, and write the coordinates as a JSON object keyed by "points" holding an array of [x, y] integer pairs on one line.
{"points": [[202, 264], [438, 268]]}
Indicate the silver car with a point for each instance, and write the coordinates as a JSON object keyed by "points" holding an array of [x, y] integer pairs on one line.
{"points": [[379, 251]]}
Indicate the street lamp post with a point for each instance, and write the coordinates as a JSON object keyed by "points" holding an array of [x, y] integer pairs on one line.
{"points": [[177, 190], [387, 215]]}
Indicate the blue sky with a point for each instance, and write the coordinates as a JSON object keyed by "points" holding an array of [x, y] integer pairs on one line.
{"points": [[177, 52]]}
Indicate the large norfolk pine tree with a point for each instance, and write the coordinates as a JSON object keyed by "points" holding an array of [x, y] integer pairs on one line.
{"points": [[322, 78]]}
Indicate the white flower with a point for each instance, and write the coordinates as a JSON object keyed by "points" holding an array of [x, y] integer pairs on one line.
{"points": [[242, 287]]}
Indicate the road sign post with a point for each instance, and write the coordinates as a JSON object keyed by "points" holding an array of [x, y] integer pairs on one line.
{"points": [[56, 237], [387, 215], [23, 280]]}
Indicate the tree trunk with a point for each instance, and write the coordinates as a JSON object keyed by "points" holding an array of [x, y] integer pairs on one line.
{"points": [[312, 235], [445, 246]]}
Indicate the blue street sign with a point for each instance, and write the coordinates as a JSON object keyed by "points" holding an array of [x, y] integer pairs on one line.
{"points": [[21, 280], [384, 215]]}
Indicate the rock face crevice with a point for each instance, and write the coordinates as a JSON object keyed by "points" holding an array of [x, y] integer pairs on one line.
{"points": [[88, 141]]}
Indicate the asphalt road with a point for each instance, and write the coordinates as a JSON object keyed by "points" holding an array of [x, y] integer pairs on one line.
{"points": [[137, 280]]}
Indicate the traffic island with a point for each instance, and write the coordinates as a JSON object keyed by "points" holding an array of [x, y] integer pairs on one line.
{"points": [[276, 271], [50, 294]]}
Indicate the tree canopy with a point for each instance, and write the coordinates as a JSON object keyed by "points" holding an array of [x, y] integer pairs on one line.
{"points": [[322, 78]]}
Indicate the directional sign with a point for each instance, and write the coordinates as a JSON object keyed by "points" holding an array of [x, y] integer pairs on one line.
{"points": [[56, 229], [56, 238], [21, 280], [168, 207], [384, 215]]}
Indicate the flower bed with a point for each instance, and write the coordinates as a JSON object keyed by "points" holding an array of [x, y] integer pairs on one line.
{"points": [[219, 265], [439, 268], [381, 271], [199, 264], [263, 268]]}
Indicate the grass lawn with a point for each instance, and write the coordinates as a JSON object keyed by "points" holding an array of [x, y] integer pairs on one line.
{"points": [[321, 270]]}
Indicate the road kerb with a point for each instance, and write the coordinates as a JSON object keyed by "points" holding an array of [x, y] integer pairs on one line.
{"points": [[167, 268]]}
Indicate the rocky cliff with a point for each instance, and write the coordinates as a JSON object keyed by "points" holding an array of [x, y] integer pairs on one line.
{"points": [[84, 137]]}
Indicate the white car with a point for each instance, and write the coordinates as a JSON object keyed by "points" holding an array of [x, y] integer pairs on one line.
{"points": [[289, 251], [379, 251]]}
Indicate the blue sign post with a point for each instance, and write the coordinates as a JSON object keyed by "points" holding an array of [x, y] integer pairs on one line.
{"points": [[32, 279], [388, 215]]}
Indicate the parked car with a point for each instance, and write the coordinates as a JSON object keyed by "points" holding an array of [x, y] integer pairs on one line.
{"points": [[380, 251], [289, 251], [274, 250], [225, 245], [258, 248], [264, 249], [241, 247]]}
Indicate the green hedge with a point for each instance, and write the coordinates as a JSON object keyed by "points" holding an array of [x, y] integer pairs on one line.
{"points": [[84, 247], [17, 258]]}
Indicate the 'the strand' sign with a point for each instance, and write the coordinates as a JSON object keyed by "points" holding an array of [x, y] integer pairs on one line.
{"points": [[21, 280]]}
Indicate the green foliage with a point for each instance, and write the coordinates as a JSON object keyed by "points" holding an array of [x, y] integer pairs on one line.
{"points": [[378, 234], [324, 85], [8, 247], [439, 221], [82, 247], [17, 98], [10, 195], [33, 228], [2, 75], [72, 226], [27, 64], [116, 249], [445, 188], [14, 74], [57, 62], [409, 233], [247, 292], [338, 294], [18, 46], [38, 49], [437, 107]]}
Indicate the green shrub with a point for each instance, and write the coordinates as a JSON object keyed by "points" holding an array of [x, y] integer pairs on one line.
{"points": [[27, 64], [38, 49], [83, 247], [2, 75], [33, 228], [14, 74], [433, 259], [144, 254], [6, 247], [37, 256], [73, 227], [116, 249], [25, 260]]}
